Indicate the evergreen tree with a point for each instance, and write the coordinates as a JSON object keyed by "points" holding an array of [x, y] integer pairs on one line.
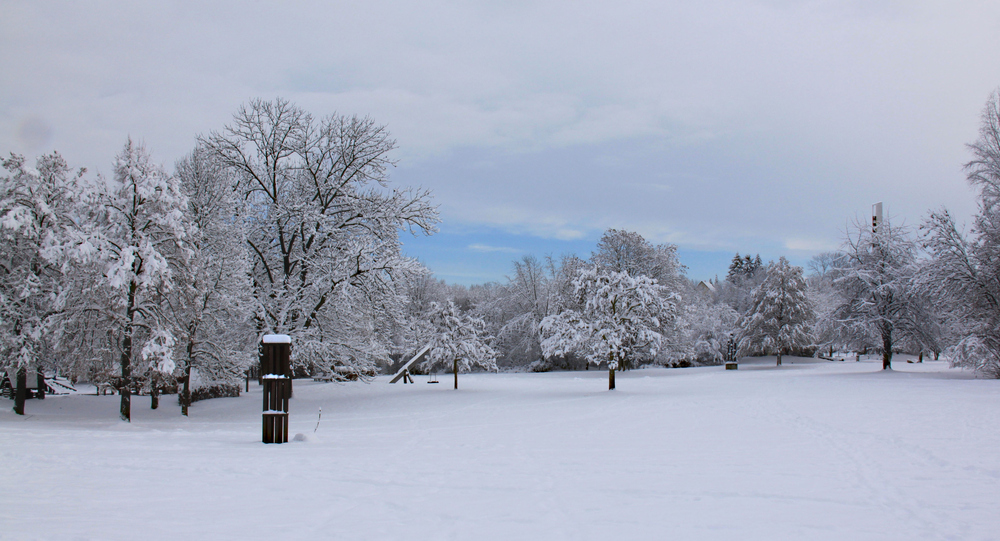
{"points": [[779, 317]]}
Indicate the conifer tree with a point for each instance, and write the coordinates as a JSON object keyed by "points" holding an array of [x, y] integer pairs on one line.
{"points": [[779, 317]]}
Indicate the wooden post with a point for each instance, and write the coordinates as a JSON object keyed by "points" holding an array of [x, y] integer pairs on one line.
{"points": [[456, 373], [276, 375], [611, 378]]}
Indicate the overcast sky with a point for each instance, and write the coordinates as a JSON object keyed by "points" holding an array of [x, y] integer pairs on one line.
{"points": [[720, 126]]}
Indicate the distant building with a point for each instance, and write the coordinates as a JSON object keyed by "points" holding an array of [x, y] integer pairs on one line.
{"points": [[706, 287]]}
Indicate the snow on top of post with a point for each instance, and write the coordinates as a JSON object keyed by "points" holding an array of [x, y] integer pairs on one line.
{"points": [[277, 339]]}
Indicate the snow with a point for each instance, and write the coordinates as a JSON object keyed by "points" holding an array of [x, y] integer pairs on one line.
{"points": [[809, 450], [277, 339]]}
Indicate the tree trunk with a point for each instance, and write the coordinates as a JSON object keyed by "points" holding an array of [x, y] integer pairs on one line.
{"points": [[611, 379], [40, 392], [456, 373], [779, 359], [154, 390], [887, 350], [126, 357], [20, 390], [921, 358], [126, 383], [186, 390]]}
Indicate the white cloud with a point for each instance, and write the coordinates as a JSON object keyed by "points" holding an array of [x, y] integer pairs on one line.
{"points": [[811, 245], [713, 124], [484, 248]]}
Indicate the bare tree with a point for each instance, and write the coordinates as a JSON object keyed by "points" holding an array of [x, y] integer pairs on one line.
{"points": [[964, 271], [323, 227], [879, 303]]}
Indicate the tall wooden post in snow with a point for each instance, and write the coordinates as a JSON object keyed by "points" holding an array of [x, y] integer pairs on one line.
{"points": [[276, 374]]}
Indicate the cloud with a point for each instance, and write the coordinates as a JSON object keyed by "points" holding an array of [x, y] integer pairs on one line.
{"points": [[483, 248], [811, 245], [717, 125]]}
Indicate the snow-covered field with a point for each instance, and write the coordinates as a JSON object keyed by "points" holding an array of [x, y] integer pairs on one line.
{"points": [[811, 450]]}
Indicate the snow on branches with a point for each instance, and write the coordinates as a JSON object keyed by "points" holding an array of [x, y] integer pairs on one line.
{"points": [[323, 227], [136, 228], [780, 313], [621, 320], [964, 275], [879, 302], [36, 217], [459, 341]]}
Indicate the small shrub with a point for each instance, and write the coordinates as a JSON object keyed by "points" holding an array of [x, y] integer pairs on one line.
{"points": [[219, 390]]}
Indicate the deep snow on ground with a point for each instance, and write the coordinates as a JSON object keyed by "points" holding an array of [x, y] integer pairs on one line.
{"points": [[810, 450]]}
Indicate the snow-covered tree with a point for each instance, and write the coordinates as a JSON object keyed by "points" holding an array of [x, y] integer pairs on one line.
{"points": [[963, 274], [825, 298], [630, 253], [323, 228], [210, 303], [878, 301], [514, 310], [135, 228], [780, 312], [619, 322], [742, 268], [745, 273], [708, 328], [36, 216], [459, 341]]}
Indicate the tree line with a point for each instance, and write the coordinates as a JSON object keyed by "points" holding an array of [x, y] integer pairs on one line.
{"points": [[282, 223]]}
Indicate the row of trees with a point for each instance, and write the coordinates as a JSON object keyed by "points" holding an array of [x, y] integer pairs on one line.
{"points": [[890, 289], [279, 223]]}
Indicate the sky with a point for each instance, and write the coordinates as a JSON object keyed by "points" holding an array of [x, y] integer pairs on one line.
{"points": [[720, 126]]}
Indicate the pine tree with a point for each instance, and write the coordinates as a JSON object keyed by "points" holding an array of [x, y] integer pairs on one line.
{"points": [[779, 317], [735, 269]]}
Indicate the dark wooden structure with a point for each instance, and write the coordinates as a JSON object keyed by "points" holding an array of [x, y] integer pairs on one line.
{"points": [[276, 375]]}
